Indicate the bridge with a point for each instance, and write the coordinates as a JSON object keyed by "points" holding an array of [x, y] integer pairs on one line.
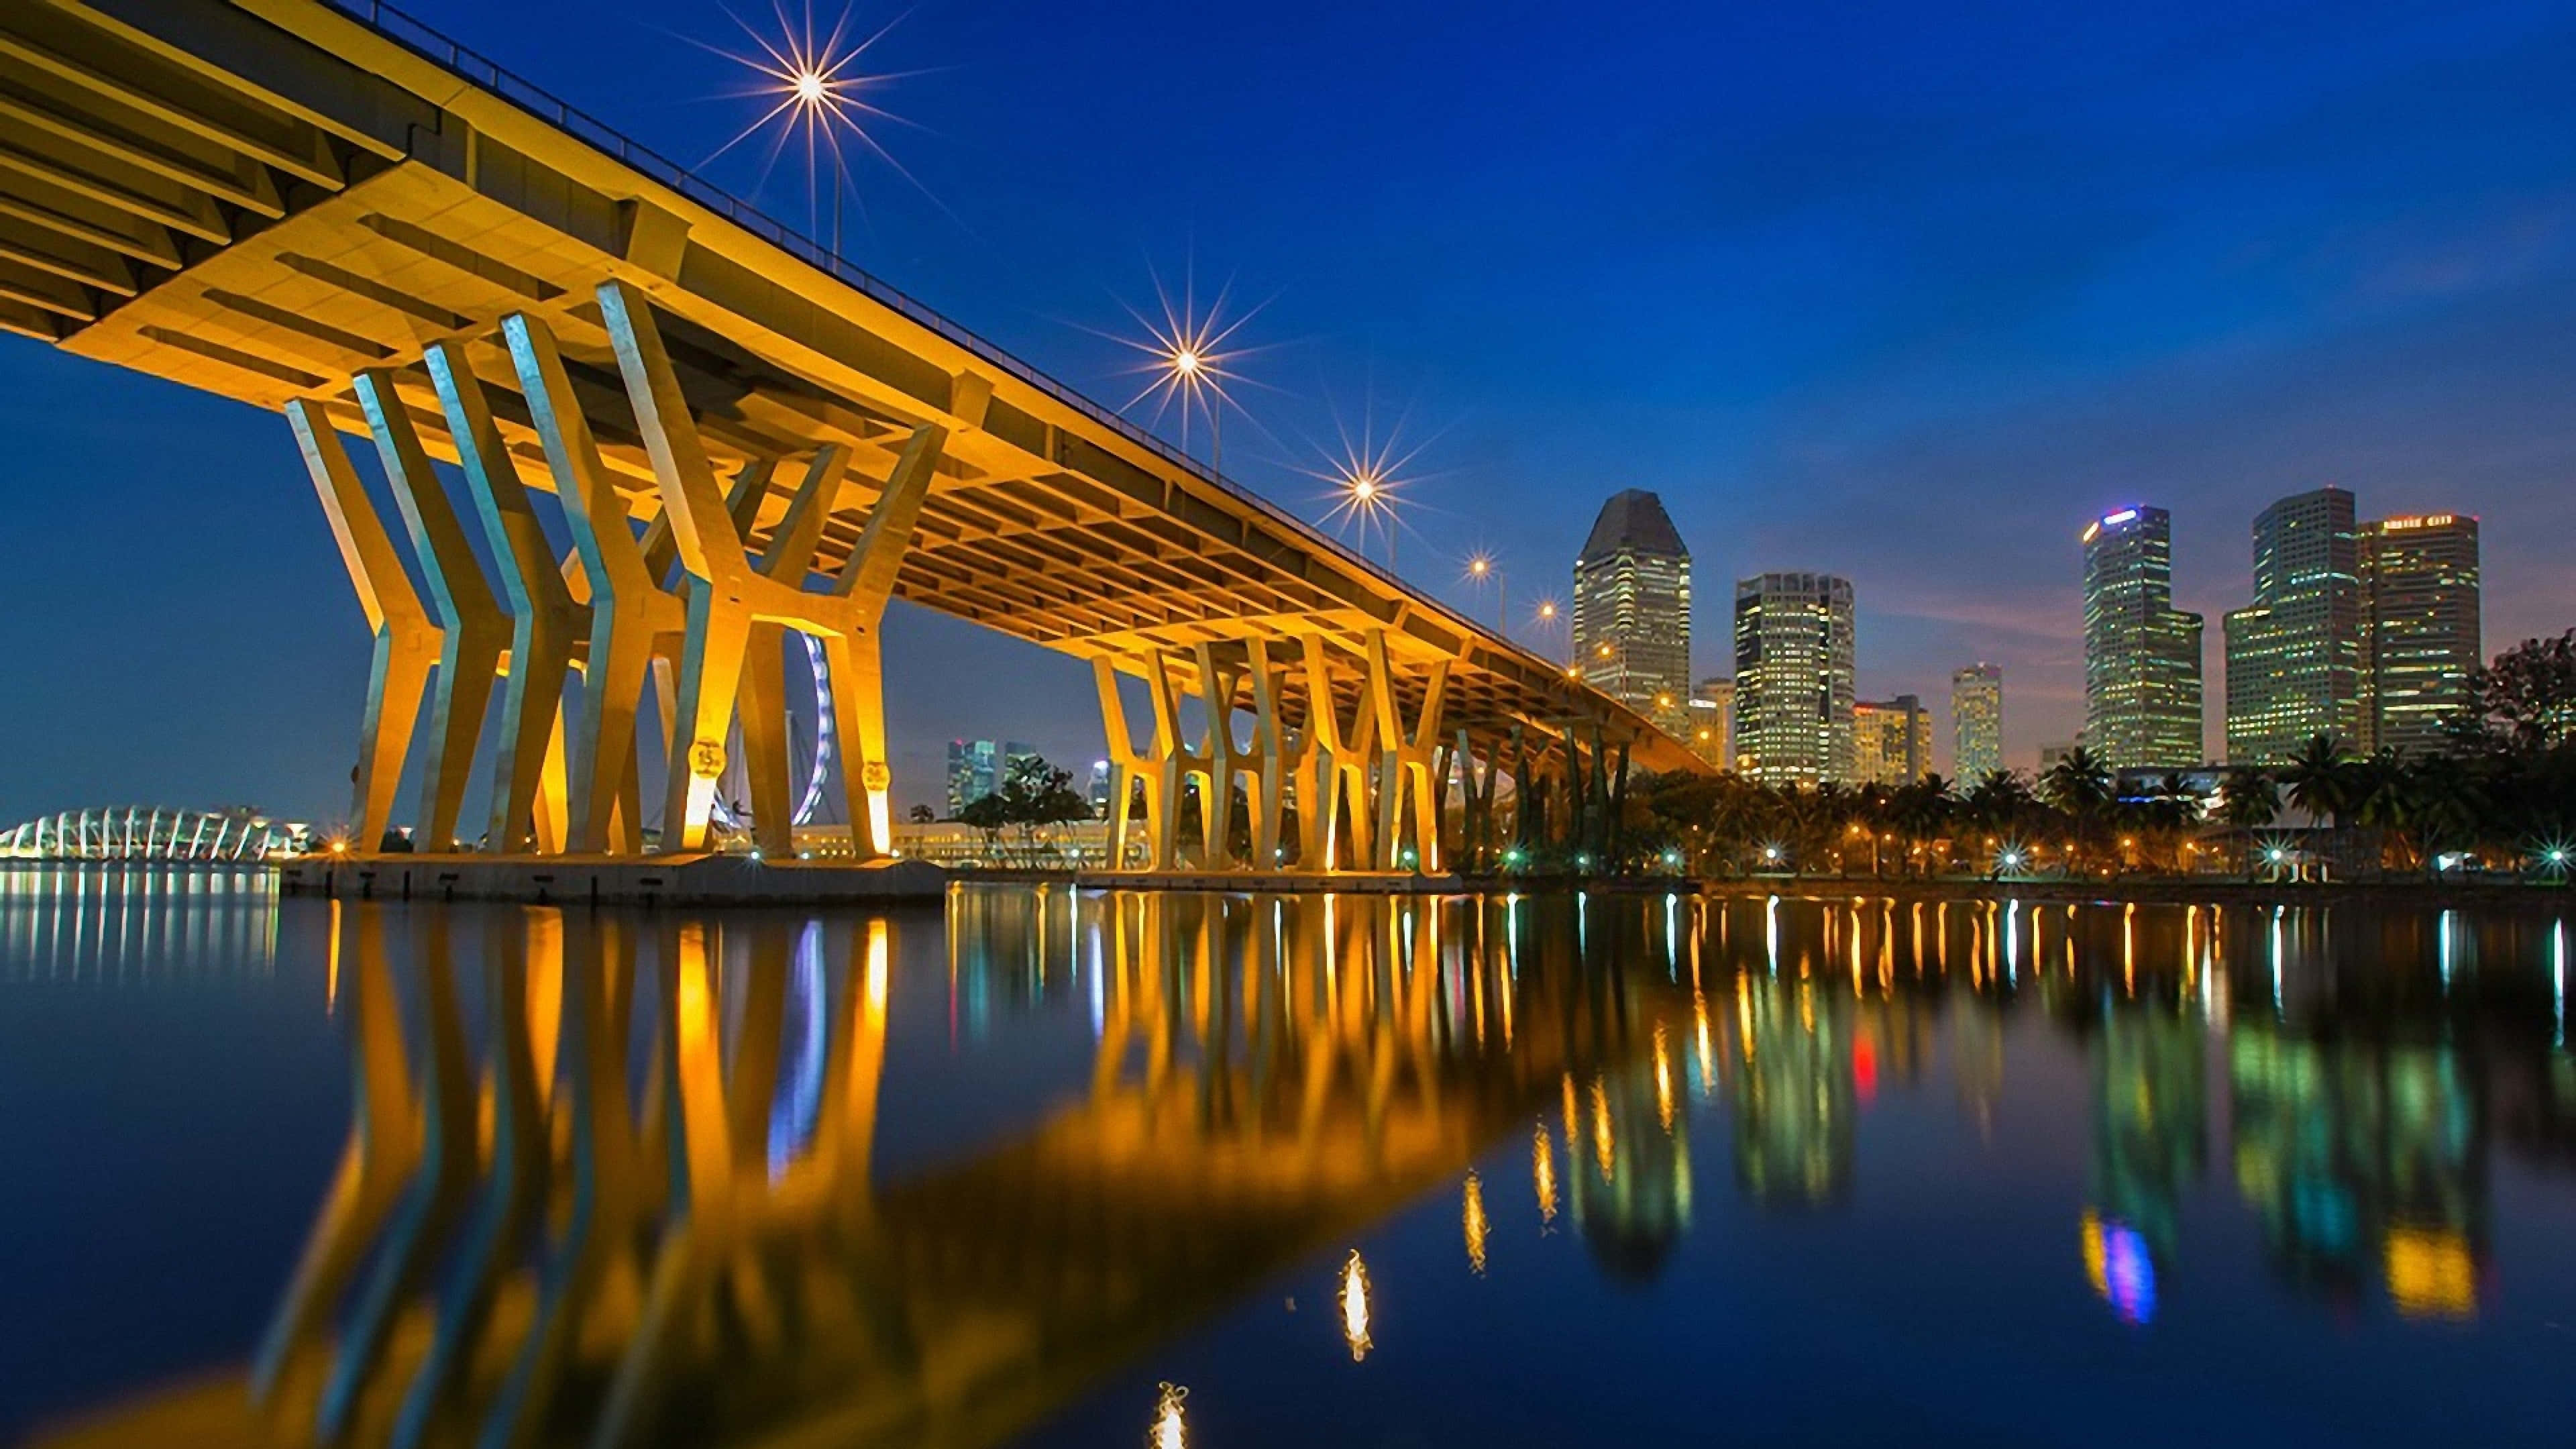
{"points": [[525, 1246], [329, 210]]}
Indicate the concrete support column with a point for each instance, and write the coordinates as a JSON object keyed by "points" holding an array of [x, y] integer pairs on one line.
{"points": [[407, 643], [1132, 767], [1338, 803], [1227, 761], [763, 710], [629, 609], [720, 604], [1408, 790], [1280, 756], [728, 597], [473, 631], [527, 811], [1178, 764], [850, 647]]}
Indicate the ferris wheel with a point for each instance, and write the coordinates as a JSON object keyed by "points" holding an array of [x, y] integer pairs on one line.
{"points": [[812, 754]]}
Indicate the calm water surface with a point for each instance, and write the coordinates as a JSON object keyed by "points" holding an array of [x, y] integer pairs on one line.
{"points": [[1500, 1171]]}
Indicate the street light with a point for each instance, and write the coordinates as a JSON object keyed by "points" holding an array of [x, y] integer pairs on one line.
{"points": [[1481, 569], [819, 91], [1187, 361]]}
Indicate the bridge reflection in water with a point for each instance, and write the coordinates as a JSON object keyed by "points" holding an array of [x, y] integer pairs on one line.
{"points": [[614, 1179], [634, 1204]]}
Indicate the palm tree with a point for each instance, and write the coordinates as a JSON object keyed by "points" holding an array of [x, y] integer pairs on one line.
{"points": [[2082, 786], [2249, 801], [2320, 780]]}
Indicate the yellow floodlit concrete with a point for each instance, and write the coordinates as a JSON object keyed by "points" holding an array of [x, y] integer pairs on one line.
{"points": [[278, 202]]}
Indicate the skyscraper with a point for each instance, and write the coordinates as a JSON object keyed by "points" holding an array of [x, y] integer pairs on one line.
{"points": [[2141, 655], [1632, 609], [1712, 721], [1976, 723], [976, 768], [2419, 627], [2294, 654], [1891, 741], [1793, 677], [974, 771]]}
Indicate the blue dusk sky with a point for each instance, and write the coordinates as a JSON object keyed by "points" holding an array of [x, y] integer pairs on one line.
{"points": [[1903, 293]]}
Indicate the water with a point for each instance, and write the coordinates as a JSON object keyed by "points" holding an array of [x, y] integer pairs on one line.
{"points": [[1343, 1171]]}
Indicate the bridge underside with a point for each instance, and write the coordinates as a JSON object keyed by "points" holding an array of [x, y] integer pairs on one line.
{"points": [[271, 200]]}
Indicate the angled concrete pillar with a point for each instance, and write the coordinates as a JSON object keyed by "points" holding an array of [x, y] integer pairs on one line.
{"points": [[1181, 762], [728, 596], [1281, 755], [1335, 803], [1479, 842], [628, 608], [542, 616], [474, 632], [407, 643], [1408, 792], [1227, 761], [850, 647], [763, 710], [1133, 766]]}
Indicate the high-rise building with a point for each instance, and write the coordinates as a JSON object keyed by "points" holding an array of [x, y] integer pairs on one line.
{"points": [[1632, 601], [1012, 754], [1976, 723], [2419, 627], [1891, 741], [2141, 654], [974, 771], [1099, 795], [2294, 654], [1712, 721], [977, 768], [1793, 678]]}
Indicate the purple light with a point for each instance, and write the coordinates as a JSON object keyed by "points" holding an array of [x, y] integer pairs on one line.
{"points": [[2128, 1273]]}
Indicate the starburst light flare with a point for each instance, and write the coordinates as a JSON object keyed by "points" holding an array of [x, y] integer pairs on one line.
{"points": [[820, 98], [1368, 476], [1190, 359]]}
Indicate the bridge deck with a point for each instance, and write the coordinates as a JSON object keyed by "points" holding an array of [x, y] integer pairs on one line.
{"points": [[261, 197]]}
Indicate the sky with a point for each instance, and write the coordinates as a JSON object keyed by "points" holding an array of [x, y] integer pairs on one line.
{"points": [[1903, 293]]}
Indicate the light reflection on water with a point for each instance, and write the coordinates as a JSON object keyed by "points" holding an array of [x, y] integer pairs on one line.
{"points": [[626, 1178]]}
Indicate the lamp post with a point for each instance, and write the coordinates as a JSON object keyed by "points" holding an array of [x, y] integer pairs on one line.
{"points": [[1482, 569]]}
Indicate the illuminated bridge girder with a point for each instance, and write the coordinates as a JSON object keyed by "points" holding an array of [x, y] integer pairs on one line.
{"points": [[280, 202]]}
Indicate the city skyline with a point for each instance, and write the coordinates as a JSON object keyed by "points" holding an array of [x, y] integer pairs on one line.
{"points": [[2352, 287]]}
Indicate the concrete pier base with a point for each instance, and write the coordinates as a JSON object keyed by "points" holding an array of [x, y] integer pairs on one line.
{"points": [[679, 880]]}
